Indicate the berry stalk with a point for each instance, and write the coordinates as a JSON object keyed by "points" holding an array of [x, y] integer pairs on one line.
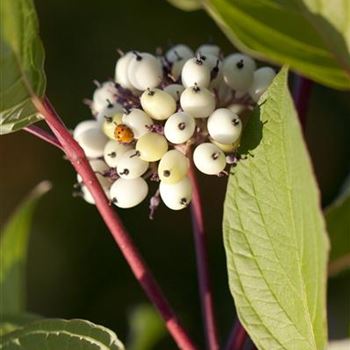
{"points": [[202, 264], [141, 271]]}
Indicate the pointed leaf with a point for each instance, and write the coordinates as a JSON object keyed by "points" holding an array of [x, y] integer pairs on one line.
{"points": [[59, 334], [21, 65], [274, 232], [305, 34], [13, 253]]}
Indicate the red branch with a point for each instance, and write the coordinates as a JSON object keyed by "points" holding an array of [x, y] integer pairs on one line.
{"points": [[202, 264], [44, 135], [141, 271], [237, 338]]}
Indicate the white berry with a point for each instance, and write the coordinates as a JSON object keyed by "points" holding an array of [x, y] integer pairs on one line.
{"points": [[179, 128], [92, 141], [208, 49], [144, 71], [152, 146], [215, 67], [110, 123], [158, 104], [83, 126], [174, 90], [176, 196], [121, 71], [238, 71], [138, 121], [173, 167], [128, 193], [262, 79], [109, 111], [195, 72], [130, 165], [209, 159], [198, 101], [178, 52], [104, 95], [113, 152], [227, 148], [224, 126]]}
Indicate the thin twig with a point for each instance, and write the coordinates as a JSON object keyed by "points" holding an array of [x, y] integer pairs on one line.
{"points": [[202, 265], [301, 94], [237, 337], [44, 135], [141, 271]]}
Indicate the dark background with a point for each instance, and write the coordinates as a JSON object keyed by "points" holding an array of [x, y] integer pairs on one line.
{"points": [[75, 269]]}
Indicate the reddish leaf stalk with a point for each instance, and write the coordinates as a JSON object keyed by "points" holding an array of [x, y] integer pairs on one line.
{"points": [[141, 271], [237, 338], [44, 135], [301, 94], [202, 265]]}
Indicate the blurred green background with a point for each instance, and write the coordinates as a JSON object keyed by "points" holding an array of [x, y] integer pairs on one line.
{"points": [[75, 269]]}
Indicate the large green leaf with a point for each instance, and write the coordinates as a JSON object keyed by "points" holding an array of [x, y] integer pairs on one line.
{"points": [[9, 323], [21, 64], [338, 225], [146, 328], [13, 252], [186, 5], [274, 231], [58, 334], [313, 37]]}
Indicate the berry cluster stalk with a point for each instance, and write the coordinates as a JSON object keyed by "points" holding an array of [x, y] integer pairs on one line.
{"points": [[202, 264], [141, 271]]}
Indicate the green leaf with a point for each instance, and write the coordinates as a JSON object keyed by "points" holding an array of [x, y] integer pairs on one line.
{"points": [[21, 65], [13, 253], [59, 334], [274, 232], [9, 323], [305, 34], [338, 226], [186, 5], [146, 328]]}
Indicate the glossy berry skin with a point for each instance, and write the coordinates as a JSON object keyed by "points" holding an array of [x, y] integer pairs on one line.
{"points": [[158, 104], [224, 126], [209, 159], [83, 126], [208, 49], [128, 193], [176, 196], [198, 102], [175, 91], [104, 95], [152, 146], [113, 152], [121, 71], [195, 72], [130, 165], [144, 71], [238, 71], [179, 128], [173, 167], [138, 121], [92, 141], [110, 123], [123, 134], [178, 52], [215, 67], [262, 79]]}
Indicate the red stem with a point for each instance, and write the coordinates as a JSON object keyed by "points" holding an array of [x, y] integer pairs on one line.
{"points": [[202, 264], [141, 271], [301, 94], [44, 135], [237, 338]]}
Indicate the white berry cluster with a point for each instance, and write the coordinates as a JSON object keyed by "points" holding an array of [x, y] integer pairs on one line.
{"points": [[157, 111]]}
